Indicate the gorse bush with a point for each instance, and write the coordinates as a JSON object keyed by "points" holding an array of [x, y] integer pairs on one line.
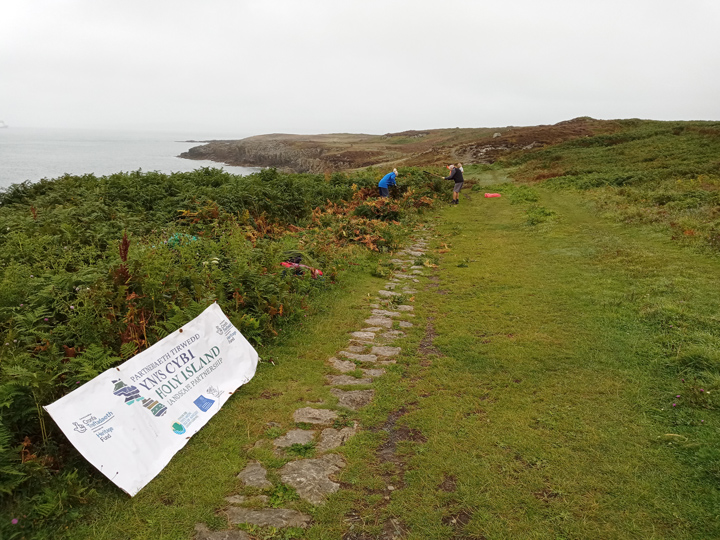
{"points": [[94, 270]]}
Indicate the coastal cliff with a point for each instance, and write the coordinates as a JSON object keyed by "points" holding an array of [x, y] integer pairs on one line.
{"points": [[320, 153]]}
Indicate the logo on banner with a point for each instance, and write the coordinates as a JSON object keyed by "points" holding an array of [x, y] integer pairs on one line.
{"points": [[129, 422], [204, 403], [100, 427], [132, 394], [228, 329], [214, 391]]}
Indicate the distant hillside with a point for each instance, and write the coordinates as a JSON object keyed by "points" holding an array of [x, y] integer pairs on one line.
{"points": [[342, 151]]}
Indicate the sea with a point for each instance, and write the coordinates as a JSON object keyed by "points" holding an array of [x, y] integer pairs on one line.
{"points": [[31, 154]]}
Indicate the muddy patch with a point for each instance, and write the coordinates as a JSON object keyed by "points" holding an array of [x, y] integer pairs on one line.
{"points": [[386, 451], [426, 347], [449, 484], [458, 521], [546, 495], [392, 526]]}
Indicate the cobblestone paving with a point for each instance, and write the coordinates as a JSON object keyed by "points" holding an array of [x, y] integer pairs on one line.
{"points": [[312, 478]]}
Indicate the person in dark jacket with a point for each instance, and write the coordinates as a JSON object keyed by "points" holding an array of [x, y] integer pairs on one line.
{"points": [[456, 174], [387, 181]]}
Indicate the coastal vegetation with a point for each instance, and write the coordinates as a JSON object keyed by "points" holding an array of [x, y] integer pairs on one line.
{"points": [[348, 151], [564, 383], [562, 380], [647, 172], [94, 270]]}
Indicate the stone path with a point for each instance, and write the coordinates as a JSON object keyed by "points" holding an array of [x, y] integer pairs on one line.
{"points": [[368, 350]]}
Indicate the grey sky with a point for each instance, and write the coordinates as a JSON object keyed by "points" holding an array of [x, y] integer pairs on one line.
{"points": [[313, 66]]}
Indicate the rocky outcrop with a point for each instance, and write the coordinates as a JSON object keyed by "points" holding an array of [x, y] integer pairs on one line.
{"points": [[262, 151], [336, 152]]}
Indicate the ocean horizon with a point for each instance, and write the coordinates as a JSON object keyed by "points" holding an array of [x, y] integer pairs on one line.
{"points": [[32, 154]]}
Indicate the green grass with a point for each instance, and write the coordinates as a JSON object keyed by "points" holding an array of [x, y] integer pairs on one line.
{"points": [[94, 270], [192, 487], [486, 175], [664, 173], [562, 379], [548, 412]]}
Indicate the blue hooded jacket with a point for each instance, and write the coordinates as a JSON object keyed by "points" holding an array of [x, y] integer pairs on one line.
{"points": [[388, 180]]}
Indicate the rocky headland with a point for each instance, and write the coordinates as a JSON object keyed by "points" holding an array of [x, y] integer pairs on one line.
{"points": [[346, 151]]}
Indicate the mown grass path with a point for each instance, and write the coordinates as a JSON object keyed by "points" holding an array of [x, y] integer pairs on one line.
{"points": [[533, 397], [539, 402]]}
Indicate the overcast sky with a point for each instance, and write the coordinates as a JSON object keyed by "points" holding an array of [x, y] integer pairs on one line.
{"points": [[317, 66]]}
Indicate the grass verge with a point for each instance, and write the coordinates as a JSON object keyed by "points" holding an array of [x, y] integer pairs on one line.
{"points": [[192, 487], [550, 393]]}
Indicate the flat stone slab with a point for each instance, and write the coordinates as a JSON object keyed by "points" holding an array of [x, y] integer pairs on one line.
{"points": [[363, 335], [255, 475], [416, 267], [353, 399], [402, 276], [416, 253], [279, 518], [388, 294], [386, 351], [404, 307], [203, 533], [391, 335], [390, 286], [332, 438], [343, 380], [294, 436], [308, 415], [360, 357], [356, 348], [385, 313], [405, 324], [379, 321], [372, 329], [418, 272], [409, 291], [373, 372], [310, 477], [343, 366], [243, 499]]}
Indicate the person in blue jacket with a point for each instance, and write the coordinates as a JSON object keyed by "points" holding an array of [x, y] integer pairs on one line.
{"points": [[387, 181]]}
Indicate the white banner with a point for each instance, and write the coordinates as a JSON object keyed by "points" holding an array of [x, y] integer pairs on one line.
{"points": [[131, 420]]}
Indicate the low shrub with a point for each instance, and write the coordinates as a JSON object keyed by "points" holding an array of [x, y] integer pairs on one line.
{"points": [[96, 269]]}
